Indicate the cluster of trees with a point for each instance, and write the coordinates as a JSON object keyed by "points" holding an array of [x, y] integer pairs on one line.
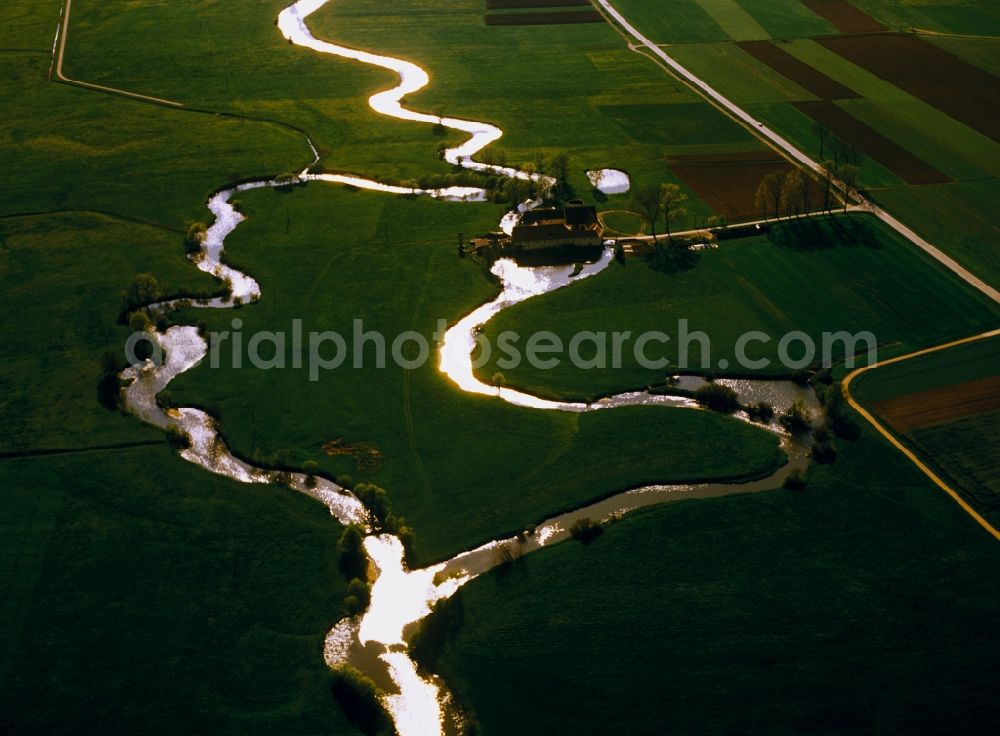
{"points": [[194, 236], [514, 189], [352, 561], [793, 193], [360, 700], [656, 200], [790, 193], [718, 398], [436, 631], [585, 530], [379, 507]]}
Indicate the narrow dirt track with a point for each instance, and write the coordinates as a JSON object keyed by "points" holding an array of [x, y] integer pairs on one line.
{"points": [[897, 443]]}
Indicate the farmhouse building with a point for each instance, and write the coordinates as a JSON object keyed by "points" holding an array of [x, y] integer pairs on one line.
{"points": [[575, 225]]}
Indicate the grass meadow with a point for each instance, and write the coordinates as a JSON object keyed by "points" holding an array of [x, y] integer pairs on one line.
{"points": [[142, 594], [462, 469], [145, 595], [849, 273], [762, 613]]}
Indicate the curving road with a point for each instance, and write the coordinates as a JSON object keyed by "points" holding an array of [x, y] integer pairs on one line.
{"points": [[856, 405]]}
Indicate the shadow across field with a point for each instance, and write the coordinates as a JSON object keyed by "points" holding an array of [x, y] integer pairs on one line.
{"points": [[821, 234]]}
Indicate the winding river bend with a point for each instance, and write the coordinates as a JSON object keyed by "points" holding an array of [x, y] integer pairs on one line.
{"points": [[374, 642]]}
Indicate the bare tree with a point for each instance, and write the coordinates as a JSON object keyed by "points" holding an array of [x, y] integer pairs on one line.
{"points": [[773, 185], [791, 193], [762, 199], [649, 202], [672, 198], [823, 133], [809, 185]]}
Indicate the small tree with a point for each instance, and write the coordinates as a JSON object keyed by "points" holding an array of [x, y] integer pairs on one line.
{"points": [[792, 193], [648, 200], [774, 184], [310, 467], [718, 398], [794, 481], [352, 560], [672, 198], [144, 289], [585, 530], [795, 419], [376, 500], [760, 412], [823, 134], [359, 698], [359, 597], [559, 166], [194, 236]]}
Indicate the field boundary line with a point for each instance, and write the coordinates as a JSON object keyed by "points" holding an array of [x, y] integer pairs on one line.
{"points": [[785, 147], [898, 444], [59, 46]]}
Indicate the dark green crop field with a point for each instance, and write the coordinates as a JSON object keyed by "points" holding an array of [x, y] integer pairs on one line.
{"points": [[763, 613]]}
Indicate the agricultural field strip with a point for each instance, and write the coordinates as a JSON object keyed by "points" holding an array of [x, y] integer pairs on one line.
{"points": [[844, 16], [527, 19], [886, 151], [897, 443], [962, 90], [789, 149], [796, 70], [922, 408]]}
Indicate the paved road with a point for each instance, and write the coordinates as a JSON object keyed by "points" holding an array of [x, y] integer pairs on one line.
{"points": [[791, 151]]}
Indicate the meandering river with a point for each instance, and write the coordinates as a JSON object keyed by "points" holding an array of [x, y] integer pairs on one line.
{"points": [[374, 642]]}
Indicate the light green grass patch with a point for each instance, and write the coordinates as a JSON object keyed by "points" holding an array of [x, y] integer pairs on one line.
{"points": [[682, 21], [734, 20], [957, 217], [784, 19], [983, 52], [736, 74], [894, 120]]}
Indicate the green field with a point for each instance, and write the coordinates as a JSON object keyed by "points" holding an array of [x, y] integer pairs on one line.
{"points": [[953, 216], [968, 362], [764, 613], [143, 594], [962, 450], [599, 81], [966, 450], [62, 277], [462, 469], [849, 274], [943, 16]]}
